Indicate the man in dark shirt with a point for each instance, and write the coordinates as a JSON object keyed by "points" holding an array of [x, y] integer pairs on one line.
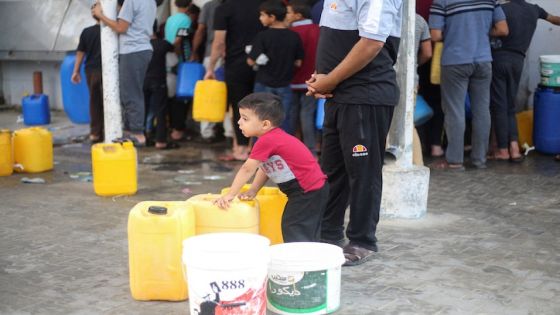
{"points": [[90, 47], [508, 54], [236, 22], [358, 47]]}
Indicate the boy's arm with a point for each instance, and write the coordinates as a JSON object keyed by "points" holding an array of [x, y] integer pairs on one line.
{"points": [[76, 78], [256, 185], [499, 29], [553, 19], [425, 52], [244, 174]]}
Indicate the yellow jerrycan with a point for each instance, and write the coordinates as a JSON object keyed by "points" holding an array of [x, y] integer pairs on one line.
{"points": [[239, 217], [525, 127], [271, 207], [156, 230], [435, 76], [6, 153], [209, 101], [33, 150], [114, 169]]}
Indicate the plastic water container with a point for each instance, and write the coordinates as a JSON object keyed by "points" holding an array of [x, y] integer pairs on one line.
{"points": [[188, 73], [33, 150], [75, 97], [226, 273], [422, 111], [271, 208], [220, 73], [156, 230], [35, 110], [210, 101], [320, 114], [114, 168], [239, 217], [435, 72], [6, 153], [546, 130], [525, 127], [550, 70], [304, 278]]}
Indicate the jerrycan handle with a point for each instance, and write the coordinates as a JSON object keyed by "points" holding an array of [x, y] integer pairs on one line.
{"points": [[157, 210]]}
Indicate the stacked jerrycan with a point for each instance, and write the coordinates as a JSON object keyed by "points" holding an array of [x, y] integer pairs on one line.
{"points": [[240, 217], [114, 169], [271, 202], [156, 230], [6, 153], [33, 150]]}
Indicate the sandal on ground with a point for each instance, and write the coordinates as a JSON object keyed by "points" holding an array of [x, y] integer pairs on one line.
{"points": [[443, 165], [356, 255], [168, 146], [517, 159], [132, 139]]}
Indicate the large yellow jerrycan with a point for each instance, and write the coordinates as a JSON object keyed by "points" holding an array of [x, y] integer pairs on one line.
{"points": [[239, 217], [271, 208], [114, 169], [210, 101], [525, 127], [435, 73], [156, 230], [6, 153], [33, 150]]}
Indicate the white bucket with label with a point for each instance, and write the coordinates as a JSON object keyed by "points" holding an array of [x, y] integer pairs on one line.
{"points": [[304, 278], [550, 70], [226, 273]]}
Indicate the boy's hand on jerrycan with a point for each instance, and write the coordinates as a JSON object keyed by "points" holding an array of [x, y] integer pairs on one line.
{"points": [[223, 202], [248, 195]]}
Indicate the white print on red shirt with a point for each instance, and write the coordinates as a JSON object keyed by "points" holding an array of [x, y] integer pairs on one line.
{"points": [[277, 169]]}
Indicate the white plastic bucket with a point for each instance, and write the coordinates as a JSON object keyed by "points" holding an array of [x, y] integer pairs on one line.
{"points": [[304, 278], [550, 70], [226, 273]]}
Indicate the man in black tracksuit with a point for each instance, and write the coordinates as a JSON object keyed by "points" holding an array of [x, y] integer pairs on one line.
{"points": [[357, 49]]}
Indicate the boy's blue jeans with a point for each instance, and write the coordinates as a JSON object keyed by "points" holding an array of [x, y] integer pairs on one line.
{"points": [[285, 94]]}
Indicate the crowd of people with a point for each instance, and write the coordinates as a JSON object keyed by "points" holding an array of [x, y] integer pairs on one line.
{"points": [[278, 59]]}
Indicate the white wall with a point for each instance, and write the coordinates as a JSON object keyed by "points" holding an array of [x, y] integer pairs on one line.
{"points": [[546, 41], [18, 80]]}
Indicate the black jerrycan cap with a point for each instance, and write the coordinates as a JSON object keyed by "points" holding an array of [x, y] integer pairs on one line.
{"points": [[157, 210]]}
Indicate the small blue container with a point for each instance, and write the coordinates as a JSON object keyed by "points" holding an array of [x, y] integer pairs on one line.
{"points": [[75, 97], [320, 115], [220, 74], [36, 110], [422, 111], [546, 111], [188, 73]]}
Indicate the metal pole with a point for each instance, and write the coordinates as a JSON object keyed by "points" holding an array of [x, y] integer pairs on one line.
{"points": [[400, 134], [110, 62]]}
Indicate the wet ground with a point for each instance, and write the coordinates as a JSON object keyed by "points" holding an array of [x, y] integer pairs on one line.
{"points": [[488, 245]]}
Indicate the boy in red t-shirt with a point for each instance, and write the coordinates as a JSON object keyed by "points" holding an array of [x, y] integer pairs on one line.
{"points": [[287, 162], [304, 106]]}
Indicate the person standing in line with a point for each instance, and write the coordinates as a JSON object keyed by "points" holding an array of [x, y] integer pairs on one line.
{"points": [[464, 27], [236, 23], [304, 106], [90, 48], [508, 54], [134, 25], [358, 47], [275, 53]]}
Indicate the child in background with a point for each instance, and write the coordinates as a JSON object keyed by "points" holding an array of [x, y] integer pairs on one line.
{"points": [[276, 51], [287, 162], [303, 106], [155, 93], [90, 47]]}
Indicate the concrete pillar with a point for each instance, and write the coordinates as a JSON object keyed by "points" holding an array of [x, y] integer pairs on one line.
{"points": [[405, 186], [110, 62]]}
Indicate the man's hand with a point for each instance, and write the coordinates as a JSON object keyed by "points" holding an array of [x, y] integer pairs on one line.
{"points": [[319, 86], [97, 10], [210, 75], [224, 201], [76, 78]]}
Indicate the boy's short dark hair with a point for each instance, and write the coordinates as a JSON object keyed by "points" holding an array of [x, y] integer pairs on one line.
{"points": [[182, 3], [266, 106], [274, 7], [302, 7]]}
